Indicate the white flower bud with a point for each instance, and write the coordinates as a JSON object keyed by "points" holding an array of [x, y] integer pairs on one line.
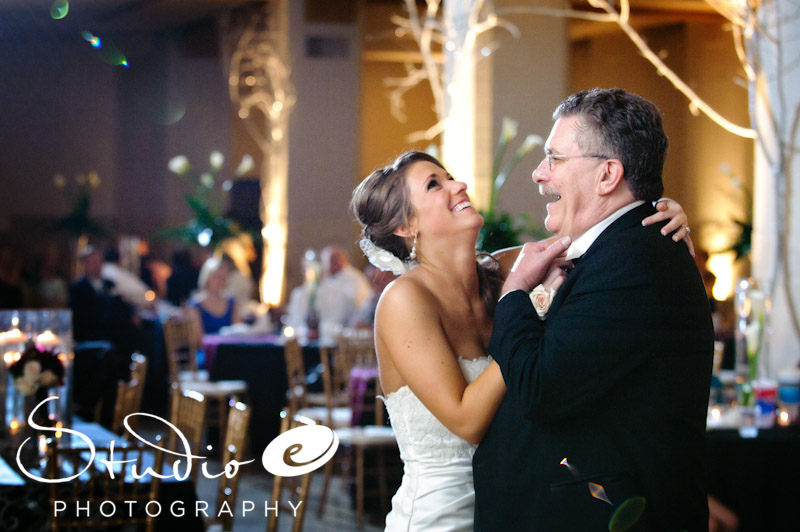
{"points": [[216, 160], [179, 164], [509, 129]]}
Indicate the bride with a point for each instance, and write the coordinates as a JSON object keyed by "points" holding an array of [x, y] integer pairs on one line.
{"points": [[432, 327]]}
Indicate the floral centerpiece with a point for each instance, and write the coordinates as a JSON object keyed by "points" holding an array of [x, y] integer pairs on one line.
{"points": [[208, 226], [36, 369], [501, 229]]}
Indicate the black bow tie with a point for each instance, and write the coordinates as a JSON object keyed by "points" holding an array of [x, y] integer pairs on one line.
{"points": [[570, 265]]}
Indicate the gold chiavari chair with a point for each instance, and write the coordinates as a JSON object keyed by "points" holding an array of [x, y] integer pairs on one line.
{"points": [[296, 488], [357, 441], [188, 412], [122, 498], [182, 342], [233, 449]]}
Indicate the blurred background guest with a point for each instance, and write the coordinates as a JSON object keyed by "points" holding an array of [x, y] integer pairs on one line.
{"points": [[183, 279], [301, 299], [212, 307], [364, 316], [341, 291], [126, 284], [98, 312], [238, 253]]}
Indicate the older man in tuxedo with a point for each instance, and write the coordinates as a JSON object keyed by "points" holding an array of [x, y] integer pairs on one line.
{"points": [[605, 412]]}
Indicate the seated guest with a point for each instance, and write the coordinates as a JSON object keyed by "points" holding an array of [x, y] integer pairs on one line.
{"points": [[126, 284], [364, 316], [98, 313], [342, 289], [183, 278], [212, 307], [302, 297]]}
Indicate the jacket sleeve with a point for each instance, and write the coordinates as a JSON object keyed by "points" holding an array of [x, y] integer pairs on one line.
{"points": [[600, 334]]}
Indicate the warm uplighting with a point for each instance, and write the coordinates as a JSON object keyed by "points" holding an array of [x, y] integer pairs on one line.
{"points": [[274, 234], [721, 265]]}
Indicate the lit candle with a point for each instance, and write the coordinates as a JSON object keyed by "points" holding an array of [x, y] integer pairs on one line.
{"points": [[14, 426], [783, 418], [42, 445], [47, 339], [10, 356], [58, 426], [14, 336]]}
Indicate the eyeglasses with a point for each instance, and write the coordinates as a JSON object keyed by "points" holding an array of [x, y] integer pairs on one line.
{"points": [[550, 157]]}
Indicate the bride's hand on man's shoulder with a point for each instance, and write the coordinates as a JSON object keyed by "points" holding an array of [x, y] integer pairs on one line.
{"points": [[678, 221]]}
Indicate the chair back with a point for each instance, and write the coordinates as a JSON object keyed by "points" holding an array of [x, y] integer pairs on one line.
{"points": [[234, 448], [296, 489], [506, 258], [96, 488], [188, 412], [129, 401], [357, 347], [181, 344], [295, 376], [138, 367]]}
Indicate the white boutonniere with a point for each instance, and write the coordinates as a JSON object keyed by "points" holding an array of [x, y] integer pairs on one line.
{"points": [[541, 298]]}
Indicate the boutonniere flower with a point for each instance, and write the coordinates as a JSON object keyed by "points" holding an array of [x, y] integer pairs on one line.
{"points": [[541, 298]]}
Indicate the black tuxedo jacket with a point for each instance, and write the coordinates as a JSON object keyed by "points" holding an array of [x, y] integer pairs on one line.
{"points": [[98, 315], [615, 381]]}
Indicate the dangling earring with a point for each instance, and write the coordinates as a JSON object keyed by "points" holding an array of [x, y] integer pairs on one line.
{"points": [[413, 254]]}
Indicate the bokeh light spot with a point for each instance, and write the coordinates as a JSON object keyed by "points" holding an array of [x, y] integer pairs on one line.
{"points": [[598, 492], [91, 38], [59, 9], [627, 514]]}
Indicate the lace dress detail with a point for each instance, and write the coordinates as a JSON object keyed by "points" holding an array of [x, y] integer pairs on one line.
{"points": [[437, 493]]}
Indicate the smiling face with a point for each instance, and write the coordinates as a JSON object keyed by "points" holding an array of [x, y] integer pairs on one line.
{"points": [[440, 203], [571, 183]]}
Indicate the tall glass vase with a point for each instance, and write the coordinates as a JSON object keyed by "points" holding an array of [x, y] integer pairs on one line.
{"points": [[37, 357], [752, 308]]}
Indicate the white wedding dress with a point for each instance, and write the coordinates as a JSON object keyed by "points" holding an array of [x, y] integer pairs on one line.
{"points": [[437, 492]]}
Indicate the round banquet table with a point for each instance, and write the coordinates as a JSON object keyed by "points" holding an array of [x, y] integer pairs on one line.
{"points": [[259, 361]]}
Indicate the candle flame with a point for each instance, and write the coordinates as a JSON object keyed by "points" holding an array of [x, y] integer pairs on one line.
{"points": [[47, 339]]}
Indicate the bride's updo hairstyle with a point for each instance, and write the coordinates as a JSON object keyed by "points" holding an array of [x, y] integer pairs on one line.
{"points": [[381, 205]]}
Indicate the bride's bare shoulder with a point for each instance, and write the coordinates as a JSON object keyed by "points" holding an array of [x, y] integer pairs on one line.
{"points": [[405, 294]]}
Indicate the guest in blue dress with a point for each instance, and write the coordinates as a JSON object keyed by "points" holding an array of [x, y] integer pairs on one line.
{"points": [[214, 308]]}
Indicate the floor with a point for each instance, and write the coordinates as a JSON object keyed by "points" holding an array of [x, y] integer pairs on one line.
{"points": [[256, 485]]}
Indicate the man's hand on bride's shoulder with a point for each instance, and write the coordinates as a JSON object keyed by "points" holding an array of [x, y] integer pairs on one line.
{"points": [[535, 264]]}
